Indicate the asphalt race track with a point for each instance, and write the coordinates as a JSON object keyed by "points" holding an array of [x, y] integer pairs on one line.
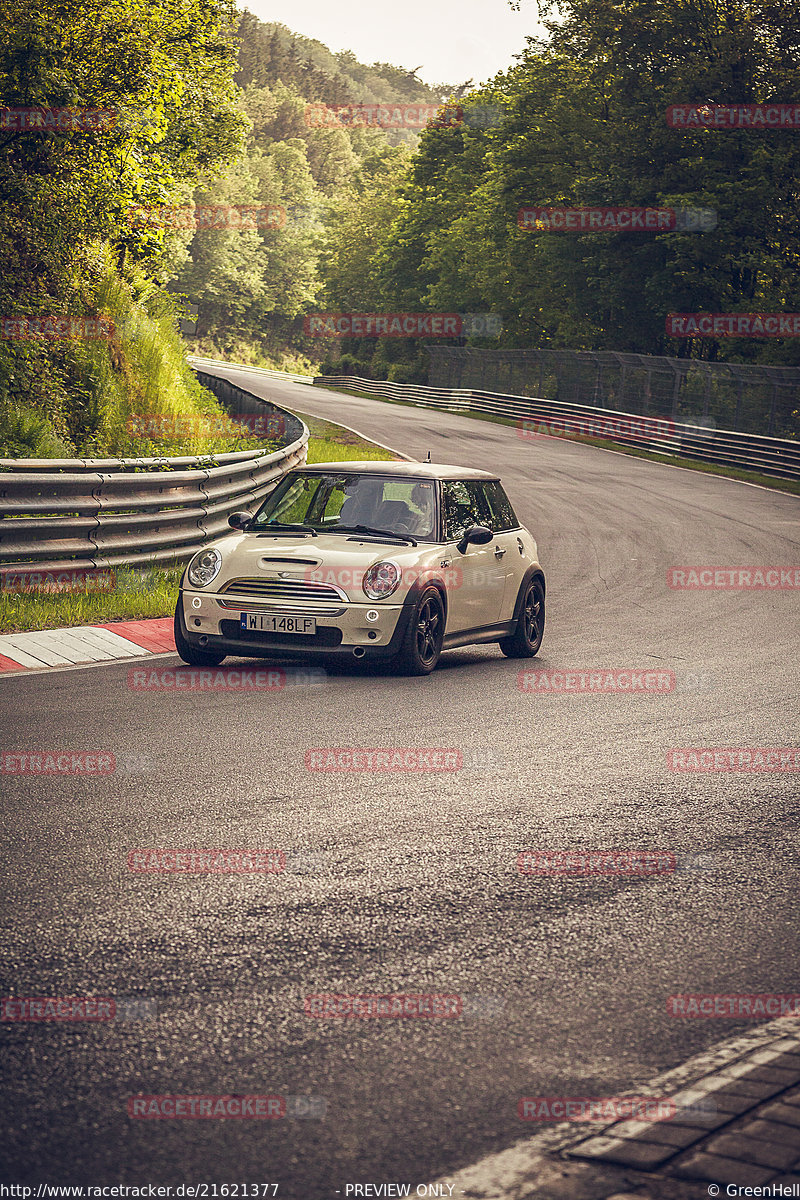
{"points": [[408, 882]]}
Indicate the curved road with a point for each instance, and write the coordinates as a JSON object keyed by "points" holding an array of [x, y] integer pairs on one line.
{"points": [[408, 881]]}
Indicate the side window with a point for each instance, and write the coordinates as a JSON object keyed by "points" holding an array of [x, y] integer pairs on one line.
{"points": [[501, 514], [463, 506]]}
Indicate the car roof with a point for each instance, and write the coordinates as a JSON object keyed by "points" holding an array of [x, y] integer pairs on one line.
{"points": [[408, 470]]}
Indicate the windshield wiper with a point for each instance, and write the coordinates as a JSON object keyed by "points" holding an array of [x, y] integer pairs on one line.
{"points": [[387, 533], [279, 527]]}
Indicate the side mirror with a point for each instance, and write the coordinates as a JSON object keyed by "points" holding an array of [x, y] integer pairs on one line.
{"points": [[239, 520], [477, 535]]}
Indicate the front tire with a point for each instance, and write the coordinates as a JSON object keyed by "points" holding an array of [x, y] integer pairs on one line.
{"points": [[422, 644], [527, 638], [189, 654]]}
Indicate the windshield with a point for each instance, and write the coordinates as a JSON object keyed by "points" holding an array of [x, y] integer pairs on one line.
{"points": [[325, 503]]}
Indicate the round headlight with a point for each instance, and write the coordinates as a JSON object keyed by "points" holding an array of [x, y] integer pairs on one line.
{"points": [[204, 568], [381, 580]]}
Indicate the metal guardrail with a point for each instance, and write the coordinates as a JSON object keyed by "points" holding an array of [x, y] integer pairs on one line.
{"points": [[200, 363], [750, 452], [60, 514]]}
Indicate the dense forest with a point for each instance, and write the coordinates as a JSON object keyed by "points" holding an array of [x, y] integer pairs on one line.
{"points": [[252, 288], [583, 124], [210, 111]]}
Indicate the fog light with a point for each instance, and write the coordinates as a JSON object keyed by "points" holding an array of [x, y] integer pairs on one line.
{"points": [[197, 621], [196, 602], [373, 615], [372, 634]]}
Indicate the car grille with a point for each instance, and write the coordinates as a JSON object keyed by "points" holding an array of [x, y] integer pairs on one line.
{"points": [[289, 595], [326, 636]]}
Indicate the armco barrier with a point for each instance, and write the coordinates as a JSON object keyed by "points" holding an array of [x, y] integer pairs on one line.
{"points": [[200, 363], [750, 452], [740, 397], [58, 514]]}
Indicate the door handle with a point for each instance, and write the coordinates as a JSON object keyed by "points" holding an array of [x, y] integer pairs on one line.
{"points": [[499, 551]]}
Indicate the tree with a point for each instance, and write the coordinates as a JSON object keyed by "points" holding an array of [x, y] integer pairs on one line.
{"points": [[162, 72], [584, 124]]}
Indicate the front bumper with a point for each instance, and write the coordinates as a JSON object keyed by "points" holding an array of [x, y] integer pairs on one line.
{"points": [[210, 626]]}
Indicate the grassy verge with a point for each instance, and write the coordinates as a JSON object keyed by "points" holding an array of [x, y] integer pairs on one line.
{"points": [[128, 394], [137, 594], [329, 442], [140, 593], [692, 464]]}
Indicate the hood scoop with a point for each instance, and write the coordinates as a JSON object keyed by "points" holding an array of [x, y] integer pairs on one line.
{"points": [[289, 562]]}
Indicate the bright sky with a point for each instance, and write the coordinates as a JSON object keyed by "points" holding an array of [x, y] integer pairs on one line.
{"points": [[454, 40]]}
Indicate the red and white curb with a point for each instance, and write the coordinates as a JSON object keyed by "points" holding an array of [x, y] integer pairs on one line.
{"points": [[45, 648]]}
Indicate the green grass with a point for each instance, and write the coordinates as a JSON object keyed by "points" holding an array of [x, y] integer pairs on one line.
{"points": [[329, 442], [141, 593], [130, 395], [692, 464]]}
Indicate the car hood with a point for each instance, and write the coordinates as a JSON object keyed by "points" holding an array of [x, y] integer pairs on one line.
{"points": [[327, 558]]}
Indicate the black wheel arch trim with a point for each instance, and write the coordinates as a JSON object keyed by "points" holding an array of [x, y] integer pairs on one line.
{"points": [[419, 585], [531, 574]]}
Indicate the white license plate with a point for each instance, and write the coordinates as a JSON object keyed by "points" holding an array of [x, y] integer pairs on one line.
{"points": [[276, 623]]}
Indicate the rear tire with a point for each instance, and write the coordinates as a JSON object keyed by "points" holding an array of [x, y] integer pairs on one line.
{"points": [[527, 638], [422, 643], [189, 653]]}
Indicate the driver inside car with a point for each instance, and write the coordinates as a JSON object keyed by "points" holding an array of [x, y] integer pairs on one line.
{"points": [[419, 522]]}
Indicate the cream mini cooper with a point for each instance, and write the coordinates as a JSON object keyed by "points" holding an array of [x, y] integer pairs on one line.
{"points": [[375, 560]]}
